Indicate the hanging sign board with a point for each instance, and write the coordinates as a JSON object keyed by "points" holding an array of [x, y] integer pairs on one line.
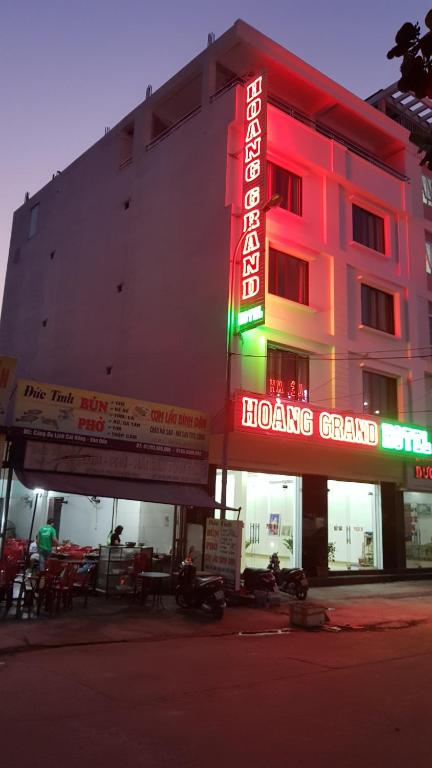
{"points": [[222, 552], [7, 378], [56, 414]]}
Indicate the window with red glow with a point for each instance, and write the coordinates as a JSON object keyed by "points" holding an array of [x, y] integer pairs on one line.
{"points": [[368, 229], [428, 399], [427, 190], [288, 277], [380, 395], [377, 309], [288, 185], [287, 374]]}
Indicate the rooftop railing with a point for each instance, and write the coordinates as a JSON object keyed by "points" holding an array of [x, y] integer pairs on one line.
{"points": [[317, 126]]}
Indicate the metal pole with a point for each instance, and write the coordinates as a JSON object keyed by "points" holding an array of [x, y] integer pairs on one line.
{"points": [[228, 375], [7, 502], [273, 202], [32, 522], [174, 543]]}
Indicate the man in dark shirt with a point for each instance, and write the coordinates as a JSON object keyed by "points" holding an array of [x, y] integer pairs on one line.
{"points": [[114, 537]]}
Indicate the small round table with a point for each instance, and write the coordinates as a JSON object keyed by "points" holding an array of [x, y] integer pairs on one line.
{"points": [[154, 580]]}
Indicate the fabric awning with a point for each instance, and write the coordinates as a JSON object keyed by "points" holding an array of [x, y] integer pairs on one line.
{"points": [[181, 494]]}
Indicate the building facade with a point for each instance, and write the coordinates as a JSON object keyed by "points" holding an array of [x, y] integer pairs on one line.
{"points": [[126, 269]]}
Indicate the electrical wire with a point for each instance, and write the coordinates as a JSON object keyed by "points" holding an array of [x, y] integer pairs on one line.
{"points": [[316, 357]]}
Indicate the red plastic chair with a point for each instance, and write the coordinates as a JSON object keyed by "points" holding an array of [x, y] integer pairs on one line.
{"points": [[9, 568], [48, 584], [83, 581], [63, 587]]}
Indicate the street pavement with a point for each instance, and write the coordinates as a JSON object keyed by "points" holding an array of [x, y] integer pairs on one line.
{"points": [[348, 608], [169, 689]]}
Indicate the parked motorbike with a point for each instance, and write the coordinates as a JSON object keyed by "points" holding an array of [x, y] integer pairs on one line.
{"points": [[204, 592], [291, 580], [253, 579]]}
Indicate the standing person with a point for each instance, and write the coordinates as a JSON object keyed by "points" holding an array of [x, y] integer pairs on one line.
{"points": [[114, 537], [46, 539]]}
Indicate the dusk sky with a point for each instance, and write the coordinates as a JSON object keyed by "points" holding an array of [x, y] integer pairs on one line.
{"points": [[70, 68]]}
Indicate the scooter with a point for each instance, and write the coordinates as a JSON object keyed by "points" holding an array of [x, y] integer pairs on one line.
{"points": [[291, 580], [204, 592], [253, 579]]}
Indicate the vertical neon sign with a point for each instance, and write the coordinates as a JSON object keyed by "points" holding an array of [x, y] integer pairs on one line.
{"points": [[252, 263]]}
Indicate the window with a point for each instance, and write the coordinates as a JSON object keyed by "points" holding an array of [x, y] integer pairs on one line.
{"points": [[427, 190], [377, 309], [288, 277], [287, 374], [428, 252], [289, 187], [368, 229], [379, 395], [428, 398], [34, 214]]}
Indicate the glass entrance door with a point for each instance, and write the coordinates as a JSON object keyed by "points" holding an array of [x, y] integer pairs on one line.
{"points": [[270, 519], [354, 526], [271, 514]]}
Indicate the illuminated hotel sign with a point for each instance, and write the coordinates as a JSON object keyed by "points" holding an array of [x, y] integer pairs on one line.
{"points": [[277, 416], [404, 439], [286, 417], [252, 262]]}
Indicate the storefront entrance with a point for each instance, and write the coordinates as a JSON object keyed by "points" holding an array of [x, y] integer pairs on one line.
{"points": [[271, 514], [418, 529], [354, 526]]}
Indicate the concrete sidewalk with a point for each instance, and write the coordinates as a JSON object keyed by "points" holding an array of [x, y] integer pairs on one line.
{"points": [[356, 607]]}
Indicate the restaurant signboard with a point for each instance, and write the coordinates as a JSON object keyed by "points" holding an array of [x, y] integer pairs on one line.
{"points": [[7, 377], [172, 438]]}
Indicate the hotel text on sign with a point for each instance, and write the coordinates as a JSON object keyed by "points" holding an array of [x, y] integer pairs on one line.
{"points": [[283, 417], [252, 262]]}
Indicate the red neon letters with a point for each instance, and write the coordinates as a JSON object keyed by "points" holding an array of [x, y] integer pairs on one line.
{"points": [[277, 416], [252, 274]]}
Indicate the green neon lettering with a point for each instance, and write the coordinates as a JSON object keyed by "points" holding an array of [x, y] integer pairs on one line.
{"points": [[398, 437], [250, 316]]}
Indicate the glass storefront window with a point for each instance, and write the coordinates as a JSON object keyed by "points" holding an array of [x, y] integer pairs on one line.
{"points": [[271, 514], [354, 526], [418, 529]]}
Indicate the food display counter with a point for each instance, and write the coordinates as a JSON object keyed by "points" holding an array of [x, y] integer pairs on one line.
{"points": [[119, 565]]}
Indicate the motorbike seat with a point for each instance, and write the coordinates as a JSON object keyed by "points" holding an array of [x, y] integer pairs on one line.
{"points": [[202, 581]]}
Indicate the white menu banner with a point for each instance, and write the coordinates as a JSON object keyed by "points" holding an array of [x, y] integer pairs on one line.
{"points": [[222, 552], [86, 460]]}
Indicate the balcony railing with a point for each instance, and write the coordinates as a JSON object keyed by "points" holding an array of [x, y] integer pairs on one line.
{"points": [[335, 136]]}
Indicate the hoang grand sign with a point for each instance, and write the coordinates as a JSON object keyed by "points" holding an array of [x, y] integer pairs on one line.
{"points": [[277, 416]]}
